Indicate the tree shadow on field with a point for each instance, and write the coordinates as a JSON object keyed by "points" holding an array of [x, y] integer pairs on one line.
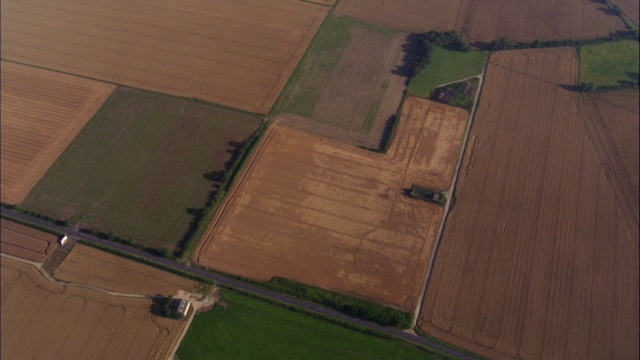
{"points": [[574, 88], [410, 53], [635, 77], [480, 45], [157, 302], [217, 178]]}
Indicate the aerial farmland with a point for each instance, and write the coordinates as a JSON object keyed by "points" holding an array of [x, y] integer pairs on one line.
{"points": [[313, 179]]}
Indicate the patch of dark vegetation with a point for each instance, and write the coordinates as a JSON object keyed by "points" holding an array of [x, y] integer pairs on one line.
{"points": [[32, 225], [460, 94], [351, 306], [426, 194], [506, 44], [35, 214], [449, 40], [589, 87], [224, 182]]}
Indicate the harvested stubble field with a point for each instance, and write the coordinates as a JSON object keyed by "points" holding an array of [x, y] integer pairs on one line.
{"points": [[235, 53], [350, 83], [25, 242], [143, 167], [485, 21], [91, 266], [334, 216], [42, 111], [539, 256], [44, 320]]}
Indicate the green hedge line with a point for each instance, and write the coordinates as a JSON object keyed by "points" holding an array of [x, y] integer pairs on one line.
{"points": [[35, 214], [361, 309], [228, 179], [147, 262], [32, 225], [506, 44]]}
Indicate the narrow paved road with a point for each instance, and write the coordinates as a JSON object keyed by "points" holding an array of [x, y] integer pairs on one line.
{"points": [[251, 288]]}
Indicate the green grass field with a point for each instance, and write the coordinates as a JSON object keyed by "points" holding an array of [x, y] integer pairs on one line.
{"points": [[447, 66], [611, 63], [254, 329], [138, 167]]}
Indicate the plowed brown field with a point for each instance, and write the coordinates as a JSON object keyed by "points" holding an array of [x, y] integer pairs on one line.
{"points": [[42, 111], [613, 119], [404, 15], [25, 242], [631, 8], [236, 53], [484, 21], [539, 256], [334, 216], [45, 320], [87, 265]]}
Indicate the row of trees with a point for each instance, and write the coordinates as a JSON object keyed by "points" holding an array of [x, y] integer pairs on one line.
{"points": [[433, 39], [361, 309], [506, 44]]}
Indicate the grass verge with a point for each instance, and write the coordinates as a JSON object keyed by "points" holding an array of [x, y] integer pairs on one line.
{"points": [[252, 329], [447, 66]]}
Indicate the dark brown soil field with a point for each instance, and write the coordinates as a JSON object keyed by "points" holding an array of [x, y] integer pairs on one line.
{"points": [[87, 265], [614, 123], [350, 84], [46, 320], [405, 15], [485, 21], [539, 255], [25, 242], [238, 54], [631, 8], [335, 216], [42, 111]]}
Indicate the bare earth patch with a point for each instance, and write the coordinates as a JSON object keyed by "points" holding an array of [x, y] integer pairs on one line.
{"points": [[334, 216]]}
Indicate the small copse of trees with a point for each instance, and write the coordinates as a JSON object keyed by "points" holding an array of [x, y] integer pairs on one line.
{"points": [[433, 39]]}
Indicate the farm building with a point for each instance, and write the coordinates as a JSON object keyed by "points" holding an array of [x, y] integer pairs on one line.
{"points": [[180, 306]]}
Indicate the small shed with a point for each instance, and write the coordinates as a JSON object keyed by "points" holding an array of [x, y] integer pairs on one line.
{"points": [[180, 306]]}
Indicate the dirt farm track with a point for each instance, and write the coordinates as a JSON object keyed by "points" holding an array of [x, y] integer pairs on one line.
{"points": [[539, 255], [42, 111], [231, 52], [42, 319], [334, 216]]}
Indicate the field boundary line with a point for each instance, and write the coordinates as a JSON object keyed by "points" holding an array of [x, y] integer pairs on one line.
{"points": [[72, 284], [449, 194]]}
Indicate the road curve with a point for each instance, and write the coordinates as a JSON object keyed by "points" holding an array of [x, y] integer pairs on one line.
{"points": [[244, 286]]}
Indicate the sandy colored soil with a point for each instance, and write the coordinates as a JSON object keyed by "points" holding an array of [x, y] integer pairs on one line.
{"points": [[613, 119], [87, 265], [404, 15], [42, 111], [485, 21], [238, 54], [334, 216], [364, 90], [25, 242], [539, 255], [42, 319]]}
